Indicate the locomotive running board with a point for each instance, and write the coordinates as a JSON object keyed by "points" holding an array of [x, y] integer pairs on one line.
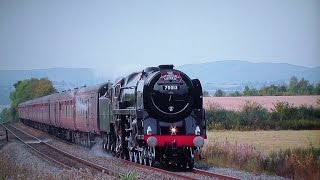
{"points": [[124, 111]]}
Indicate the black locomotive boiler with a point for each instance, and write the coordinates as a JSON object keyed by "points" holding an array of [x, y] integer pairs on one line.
{"points": [[155, 115]]}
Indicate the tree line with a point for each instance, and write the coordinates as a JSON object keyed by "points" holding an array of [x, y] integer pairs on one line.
{"points": [[294, 88], [26, 90]]}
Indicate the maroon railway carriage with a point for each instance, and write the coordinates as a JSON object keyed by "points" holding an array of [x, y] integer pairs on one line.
{"points": [[37, 110], [87, 103], [72, 115]]}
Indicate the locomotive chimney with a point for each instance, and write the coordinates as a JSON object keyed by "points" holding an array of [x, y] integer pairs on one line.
{"points": [[165, 66]]}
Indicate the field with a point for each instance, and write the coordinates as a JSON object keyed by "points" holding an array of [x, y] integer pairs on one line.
{"points": [[234, 103], [268, 141], [291, 154]]}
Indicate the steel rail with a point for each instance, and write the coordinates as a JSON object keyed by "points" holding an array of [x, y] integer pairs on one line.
{"points": [[214, 175]]}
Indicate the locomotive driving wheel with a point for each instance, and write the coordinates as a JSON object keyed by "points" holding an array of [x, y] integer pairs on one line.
{"points": [[118, 143], [145, 157], [140, 154], [107, 143], [121, 150], [152, 155], [190, 160], [148, 156], [130, 148], [135, 156], [131, 156]]}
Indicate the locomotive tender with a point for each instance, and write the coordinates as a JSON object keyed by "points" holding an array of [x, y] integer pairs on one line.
{"points": [[151, 116]]}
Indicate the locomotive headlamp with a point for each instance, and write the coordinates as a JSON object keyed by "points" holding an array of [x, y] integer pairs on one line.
{"points": [[173, 130], [152, 141], [198, 141]]}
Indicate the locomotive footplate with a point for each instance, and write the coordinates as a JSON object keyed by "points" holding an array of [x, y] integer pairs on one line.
{"points": [[176, 150], [177, 140]]}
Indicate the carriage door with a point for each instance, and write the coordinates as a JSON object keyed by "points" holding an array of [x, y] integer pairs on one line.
{"points": [[91, 110], [57, 114], [104, 113], [87, 115], [92, 121]]}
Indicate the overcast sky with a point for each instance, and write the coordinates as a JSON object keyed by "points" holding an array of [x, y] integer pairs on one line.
{"points": [[134, 34]]}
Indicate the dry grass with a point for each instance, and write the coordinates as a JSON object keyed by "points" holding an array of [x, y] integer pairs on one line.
{"points": [[291, 154], [268, 141]]}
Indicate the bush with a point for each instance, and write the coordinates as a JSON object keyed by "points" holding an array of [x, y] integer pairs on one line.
{"points": [[7, 115], [283, 111], [253, 116], [219, 118]]}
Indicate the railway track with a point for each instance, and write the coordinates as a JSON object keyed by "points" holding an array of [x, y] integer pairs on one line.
{"points": [[213, 175], [69, 161], [56, 155]]}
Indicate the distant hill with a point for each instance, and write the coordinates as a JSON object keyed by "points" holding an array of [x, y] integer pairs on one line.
{"points": [[234, 75], [62, 78], [226, 75]]}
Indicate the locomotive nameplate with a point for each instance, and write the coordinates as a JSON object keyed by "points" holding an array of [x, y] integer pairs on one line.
{"points": [[170, 76]]}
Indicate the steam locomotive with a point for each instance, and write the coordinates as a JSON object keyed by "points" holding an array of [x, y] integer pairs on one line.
{"points": [[155, 115]]}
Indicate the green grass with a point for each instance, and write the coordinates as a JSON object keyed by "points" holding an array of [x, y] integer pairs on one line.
{"points": [[129, 176]]}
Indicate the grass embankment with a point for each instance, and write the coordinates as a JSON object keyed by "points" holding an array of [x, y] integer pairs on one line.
{"points": [[294, 154]]}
